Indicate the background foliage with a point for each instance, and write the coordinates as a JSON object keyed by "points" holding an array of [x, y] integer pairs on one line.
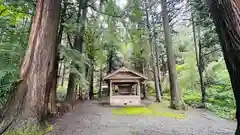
{"points": [[121, 29]]}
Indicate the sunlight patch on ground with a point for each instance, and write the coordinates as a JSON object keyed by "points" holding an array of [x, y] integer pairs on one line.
{"points": [[153, 110]]}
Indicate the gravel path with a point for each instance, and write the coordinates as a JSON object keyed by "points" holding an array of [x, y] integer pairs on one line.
{"points": [[89, 118]]}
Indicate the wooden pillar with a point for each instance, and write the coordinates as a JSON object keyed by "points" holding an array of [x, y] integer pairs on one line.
{"points": [[111, 92], [138, 88]]}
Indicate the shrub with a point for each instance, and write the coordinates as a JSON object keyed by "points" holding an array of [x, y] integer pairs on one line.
{"points": [[61, 92], [150, 87]]}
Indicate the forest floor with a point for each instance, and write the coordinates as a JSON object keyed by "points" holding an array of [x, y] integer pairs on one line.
{"points": [[92, 118]]}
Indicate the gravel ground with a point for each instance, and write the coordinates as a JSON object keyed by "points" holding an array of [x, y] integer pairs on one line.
{"points": [[90, 118]]}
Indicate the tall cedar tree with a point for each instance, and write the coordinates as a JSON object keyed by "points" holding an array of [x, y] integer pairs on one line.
{"points": [[53, 94], [226, 17], [27, 104], [78, 45], [150, 40], [175, 92], [199, 60]]}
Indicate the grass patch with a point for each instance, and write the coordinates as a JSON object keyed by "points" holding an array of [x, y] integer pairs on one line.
{"points": [[30, 131], [160, 109]]}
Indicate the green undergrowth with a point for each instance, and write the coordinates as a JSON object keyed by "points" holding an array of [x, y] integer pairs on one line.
{"points": [[221, 107], [30, 131], [160, 109], [61, 92]]}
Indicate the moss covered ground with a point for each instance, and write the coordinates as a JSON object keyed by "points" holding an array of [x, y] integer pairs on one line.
{"points": [[156, 109]]}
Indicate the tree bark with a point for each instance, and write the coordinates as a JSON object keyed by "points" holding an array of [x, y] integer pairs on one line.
{"points": [[63, 74], [52, 99], [26, 106], [164, 68], [199, 60], [87, 72], [156, 82], [200, 71], [226, 18], [110, 57], [157, 64], [71, 88], [78, 45], [175, 91], [60, 67], [91, 74], [80, 97], [156, 74], [100, 81], [143, 85], [91, 93], [53, 94]]}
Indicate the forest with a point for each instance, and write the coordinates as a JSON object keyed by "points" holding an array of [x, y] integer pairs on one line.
{"points": [[53, 52]]}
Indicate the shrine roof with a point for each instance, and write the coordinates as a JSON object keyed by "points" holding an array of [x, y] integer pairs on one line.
{"points": [[125, 73]]}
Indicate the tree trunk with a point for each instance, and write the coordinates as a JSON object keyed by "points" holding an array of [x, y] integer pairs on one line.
{"points": [[80, 97], [143, 85], [175, 91], [52, 99], [100, 81], [200, 71], [71, 88], [141, 70], [60, 67], [27, 105], [227, 21], [87, 72], [110, 57], [53, 94], [156, 82], [155, 74], [199, 60], [78, 44], [164, 68], [157, 64], [63, 74], [91, 93]]}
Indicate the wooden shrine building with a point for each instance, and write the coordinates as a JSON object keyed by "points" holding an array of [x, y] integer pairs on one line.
{"points": [[124, 87]]}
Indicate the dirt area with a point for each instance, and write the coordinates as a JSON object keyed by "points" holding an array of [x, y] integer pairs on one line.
{"points": [[91, 118]]}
